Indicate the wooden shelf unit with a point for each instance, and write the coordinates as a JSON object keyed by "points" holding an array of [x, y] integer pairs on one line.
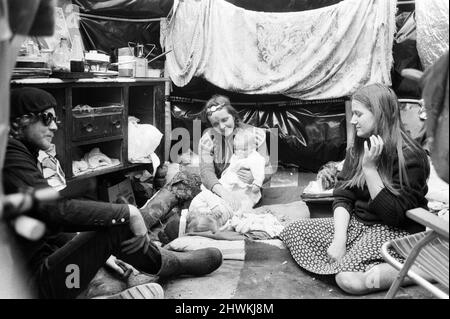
{"points": [[142, 98]]}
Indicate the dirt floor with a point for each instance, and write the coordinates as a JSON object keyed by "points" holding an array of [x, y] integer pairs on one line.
{"points": [[268, 270]]}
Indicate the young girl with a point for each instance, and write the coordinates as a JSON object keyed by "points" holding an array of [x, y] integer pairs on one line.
{"points": [[385, 173]]}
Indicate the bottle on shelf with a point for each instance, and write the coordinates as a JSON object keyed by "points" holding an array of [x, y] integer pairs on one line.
{"points": [[77, 55], [61, 56]]}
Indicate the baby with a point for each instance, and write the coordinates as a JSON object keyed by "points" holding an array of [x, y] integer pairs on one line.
{"points": [[209, 211]]}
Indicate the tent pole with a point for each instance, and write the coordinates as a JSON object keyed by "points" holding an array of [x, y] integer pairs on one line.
{"points": [[101, 17], [168, 122], [349, 127]]}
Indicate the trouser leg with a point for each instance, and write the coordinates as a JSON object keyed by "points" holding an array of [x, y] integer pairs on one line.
{"points": [[68, 271]]}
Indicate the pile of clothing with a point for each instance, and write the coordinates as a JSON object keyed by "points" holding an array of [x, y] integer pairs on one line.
{"points": [[93, 160]]}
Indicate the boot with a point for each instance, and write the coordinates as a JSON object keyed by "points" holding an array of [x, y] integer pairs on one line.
{"points": [[104, 284], [133, 277], [145, 291], [183, 187], [158, 207], [140, 278], [170, 230], [196, 263]]}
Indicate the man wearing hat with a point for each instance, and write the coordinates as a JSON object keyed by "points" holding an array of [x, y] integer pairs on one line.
{"points": [[105, 228]]}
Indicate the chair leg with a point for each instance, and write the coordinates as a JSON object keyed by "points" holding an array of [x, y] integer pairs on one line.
{"points": [[396, 284], [407, 265]]}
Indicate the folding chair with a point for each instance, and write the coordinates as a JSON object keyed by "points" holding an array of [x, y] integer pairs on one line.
{"points": [[428, 250]]}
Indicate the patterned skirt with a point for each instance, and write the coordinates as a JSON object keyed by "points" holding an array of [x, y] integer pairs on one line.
{"points": [[309, 239]]}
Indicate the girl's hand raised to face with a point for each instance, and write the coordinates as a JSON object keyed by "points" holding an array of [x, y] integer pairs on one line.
{"points": [[372, 154]]}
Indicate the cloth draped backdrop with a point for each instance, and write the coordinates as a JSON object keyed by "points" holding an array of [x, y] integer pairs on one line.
{"points": [[317, 54], [432, 30]]}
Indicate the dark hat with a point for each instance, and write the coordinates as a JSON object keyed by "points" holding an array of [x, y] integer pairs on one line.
{"points": [[30, 100]]}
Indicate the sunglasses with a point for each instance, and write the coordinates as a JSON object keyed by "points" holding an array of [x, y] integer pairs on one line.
{"points": [[47, 118]]}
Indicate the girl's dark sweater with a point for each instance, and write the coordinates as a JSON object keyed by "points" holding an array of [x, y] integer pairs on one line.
{"points": [[388, 208]]}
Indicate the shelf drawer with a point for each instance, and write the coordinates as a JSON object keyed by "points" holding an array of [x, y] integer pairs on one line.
{"points": [[96, 126]]}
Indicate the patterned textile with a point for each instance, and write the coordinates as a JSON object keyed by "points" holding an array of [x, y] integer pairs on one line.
{"points": [[178, 192], [51, 168], [317, 54], [432, 30], [184, 185], [309, 239]]}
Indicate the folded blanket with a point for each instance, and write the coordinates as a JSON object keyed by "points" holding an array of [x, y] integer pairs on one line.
{"points": [[234, 249]]}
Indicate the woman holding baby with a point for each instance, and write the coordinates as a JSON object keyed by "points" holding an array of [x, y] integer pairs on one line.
{"points": [[234, 164]]}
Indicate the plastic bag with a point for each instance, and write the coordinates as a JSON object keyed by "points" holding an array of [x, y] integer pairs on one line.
{"points": [[143, 139]]}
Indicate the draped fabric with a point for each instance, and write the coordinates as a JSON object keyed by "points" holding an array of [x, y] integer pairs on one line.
{"points": [[317, 54], [432, 30]]}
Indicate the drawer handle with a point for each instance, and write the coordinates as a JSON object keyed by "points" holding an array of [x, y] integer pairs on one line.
{"points": [[117, 124], [88, 128]]}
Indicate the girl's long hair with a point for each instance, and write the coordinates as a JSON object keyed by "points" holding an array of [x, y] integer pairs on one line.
{"points": [[382, 102]]}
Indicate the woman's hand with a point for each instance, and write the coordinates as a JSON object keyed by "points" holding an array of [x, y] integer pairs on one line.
{"points": [[371, 156], [336, 251], [245, 174], [141, 240], [369, 165]]}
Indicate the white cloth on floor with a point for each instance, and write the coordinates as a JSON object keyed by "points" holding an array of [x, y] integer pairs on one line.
{"points": [[316, 54], [432, 30], [248, 222]]}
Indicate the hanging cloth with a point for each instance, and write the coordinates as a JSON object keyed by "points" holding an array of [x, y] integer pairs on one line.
{"points": [[432, 30], [317, 54]]}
